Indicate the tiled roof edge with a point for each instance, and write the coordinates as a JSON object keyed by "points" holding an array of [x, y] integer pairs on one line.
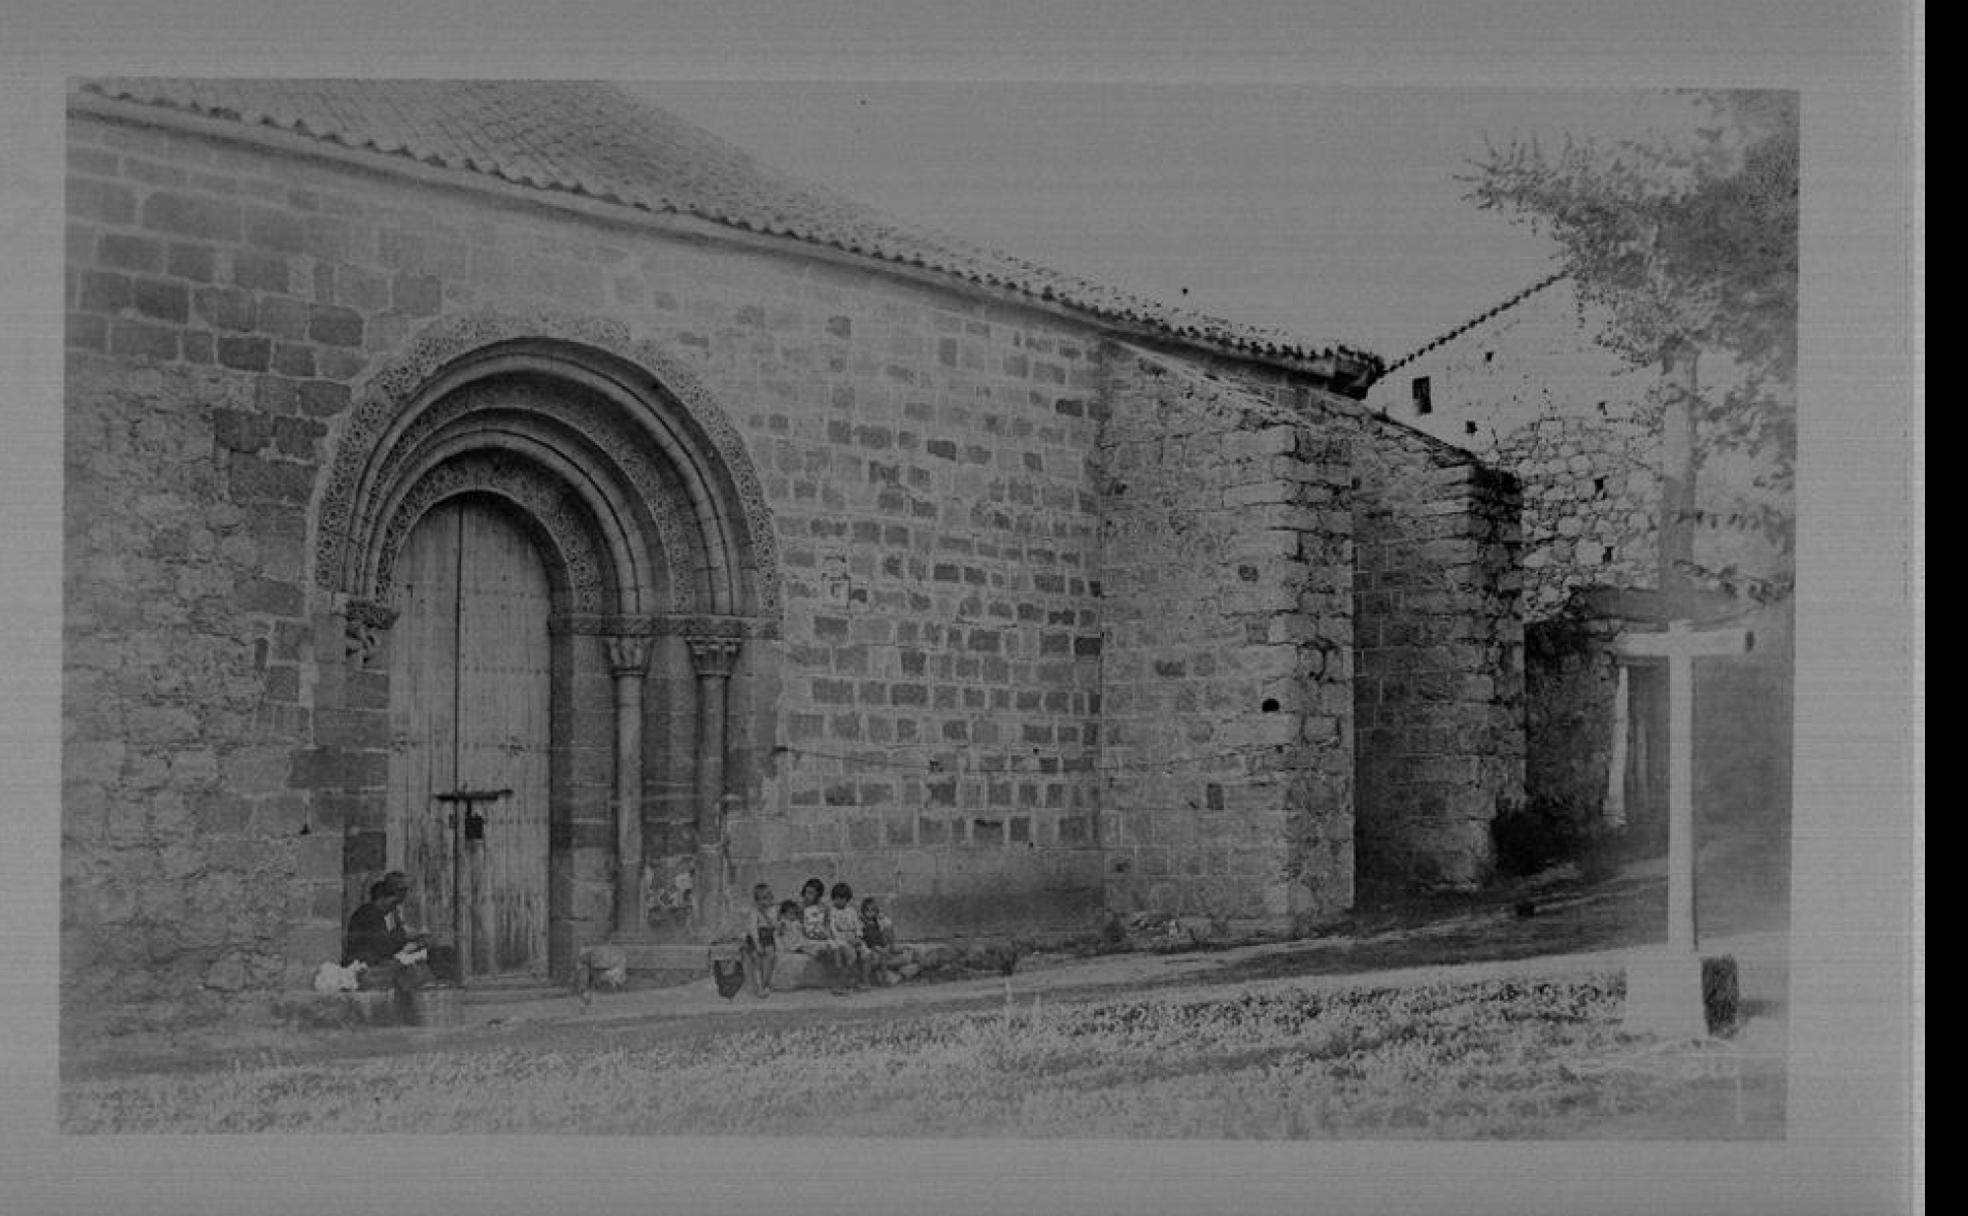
{"points": [[1350, 369], [1505, 306]]}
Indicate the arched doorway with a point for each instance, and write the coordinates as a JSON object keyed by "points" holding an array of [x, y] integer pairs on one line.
{"points": [[548, 555], [471, 697]]}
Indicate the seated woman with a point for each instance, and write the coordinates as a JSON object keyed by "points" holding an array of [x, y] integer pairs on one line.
{"points": [[376, 938]]}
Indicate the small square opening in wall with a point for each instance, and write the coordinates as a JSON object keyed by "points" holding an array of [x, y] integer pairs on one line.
{"points": [[1424, 402]]}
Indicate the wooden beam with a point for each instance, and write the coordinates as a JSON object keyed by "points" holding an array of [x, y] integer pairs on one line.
{"points": [[1682, 641]]}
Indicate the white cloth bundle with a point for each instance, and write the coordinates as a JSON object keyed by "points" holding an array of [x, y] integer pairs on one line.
{"points": [[333, 977]]}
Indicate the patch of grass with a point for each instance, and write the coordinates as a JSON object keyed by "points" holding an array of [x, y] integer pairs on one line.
{"points": [[1496, 1058]]}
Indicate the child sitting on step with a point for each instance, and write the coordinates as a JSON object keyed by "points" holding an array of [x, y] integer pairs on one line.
{"points": [[817, 937], [791, 927], [878, 935], [846, 922], [760, 947]]}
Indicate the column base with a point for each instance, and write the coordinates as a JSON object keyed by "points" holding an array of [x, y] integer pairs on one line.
{"points": [[1674, 994]]}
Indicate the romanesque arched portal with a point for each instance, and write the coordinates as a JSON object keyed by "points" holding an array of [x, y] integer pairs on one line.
{"points": [[522, 514]]}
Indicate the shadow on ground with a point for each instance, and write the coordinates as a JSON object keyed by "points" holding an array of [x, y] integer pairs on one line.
{"points": [[1743, 890]]}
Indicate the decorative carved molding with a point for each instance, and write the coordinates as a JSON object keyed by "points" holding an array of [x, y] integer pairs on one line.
{"points": [[714, 656], [628, 655], [524, 485], [396, 386], [371, 613], [602, 430], [661, 624]]}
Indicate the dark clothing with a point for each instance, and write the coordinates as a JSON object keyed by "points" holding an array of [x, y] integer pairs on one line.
{"points": [[374, 936]]}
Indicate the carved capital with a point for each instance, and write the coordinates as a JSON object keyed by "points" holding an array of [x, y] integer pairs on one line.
{"points": [[713, 655], [628, 656], [363, 621]]}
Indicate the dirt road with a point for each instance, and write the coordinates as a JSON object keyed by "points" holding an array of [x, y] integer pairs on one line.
{"points": [[1558, 925]]}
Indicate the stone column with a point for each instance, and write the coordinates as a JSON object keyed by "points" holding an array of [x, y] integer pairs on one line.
{"points": [[714, 658], [628, 661]]}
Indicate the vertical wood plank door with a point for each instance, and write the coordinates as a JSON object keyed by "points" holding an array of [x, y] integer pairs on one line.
{"points": [[505, 685], [470, 695], [423, 730]]}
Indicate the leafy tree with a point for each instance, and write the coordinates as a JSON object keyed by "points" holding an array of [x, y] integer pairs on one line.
{"points": [[1689, 244]]}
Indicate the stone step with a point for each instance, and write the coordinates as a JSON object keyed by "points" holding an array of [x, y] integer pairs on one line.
{"points": [[657, 963], [665, 964], [313, 1010], [666, 956], [508, 993]]}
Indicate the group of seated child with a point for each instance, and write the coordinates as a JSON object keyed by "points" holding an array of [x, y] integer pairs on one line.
{"points": [[854, 944]]}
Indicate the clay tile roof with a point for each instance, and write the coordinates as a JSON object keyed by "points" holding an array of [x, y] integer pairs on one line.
{"points": [[601, 142], [1489, 314]]}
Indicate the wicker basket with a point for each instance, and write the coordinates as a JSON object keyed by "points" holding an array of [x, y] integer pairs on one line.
{"points": [[437, 1005]]}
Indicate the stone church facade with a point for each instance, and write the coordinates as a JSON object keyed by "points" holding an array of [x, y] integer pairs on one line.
{"points": [[515, 486]]}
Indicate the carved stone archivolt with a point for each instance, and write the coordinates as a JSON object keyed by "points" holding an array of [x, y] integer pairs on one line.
{"points": [[655, 441], [599, 435], [539, 497]]}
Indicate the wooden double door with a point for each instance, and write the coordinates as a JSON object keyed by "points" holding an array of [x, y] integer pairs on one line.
{"points": [[471, 692]]}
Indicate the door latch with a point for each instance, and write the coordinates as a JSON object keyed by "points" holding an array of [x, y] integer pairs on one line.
{"points": [[470, 800]]}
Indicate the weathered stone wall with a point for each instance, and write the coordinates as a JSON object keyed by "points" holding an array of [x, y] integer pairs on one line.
{"points": [[1440, 692], [1591, 499], [962, 601], [1226, 741], [1591, 479], [921, 727], [935, 731], [1569, 682], [1530, 392], [1438, 665], [186, 638]]}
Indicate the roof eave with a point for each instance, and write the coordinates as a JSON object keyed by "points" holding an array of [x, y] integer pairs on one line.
{"points": [[1346, 372]]}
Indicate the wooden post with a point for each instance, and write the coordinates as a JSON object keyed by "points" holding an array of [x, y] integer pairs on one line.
{"points": [[1664, 991]]}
